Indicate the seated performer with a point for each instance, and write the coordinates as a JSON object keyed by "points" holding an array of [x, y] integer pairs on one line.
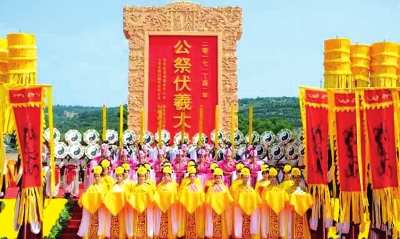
{"points": [[191, 196], [218, 214], [165, 215], [139, 218], [92, 224], [273, 199], [246, 213]]}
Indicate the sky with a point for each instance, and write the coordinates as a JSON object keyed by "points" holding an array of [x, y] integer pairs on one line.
{"points": [[83, 52]]}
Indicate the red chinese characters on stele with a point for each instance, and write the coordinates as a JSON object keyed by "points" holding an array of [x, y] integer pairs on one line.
{"points": [[183, 75]]}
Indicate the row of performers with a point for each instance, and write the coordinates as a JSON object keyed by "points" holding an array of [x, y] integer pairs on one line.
{"points": [[121, 208]]}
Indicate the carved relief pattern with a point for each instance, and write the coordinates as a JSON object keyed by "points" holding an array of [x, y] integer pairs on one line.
{"points": [[182, 17]]}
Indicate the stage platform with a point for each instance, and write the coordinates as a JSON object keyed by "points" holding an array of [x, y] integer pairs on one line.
{"points": [[51, 214]]}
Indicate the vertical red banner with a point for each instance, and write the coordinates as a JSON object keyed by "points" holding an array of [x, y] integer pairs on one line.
{"points": [[379, 111], [28, 113], [183, 74], [316, 107], [347, 141]]}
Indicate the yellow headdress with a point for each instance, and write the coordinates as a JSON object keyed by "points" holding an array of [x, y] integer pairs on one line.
{"points": [[147, 166], [167, 170], [191, 163], [191, 170], [213, 166], [167, 164], [239, 166], [296, 172], [119, 170], [126, 166], [245, 171], [142, 171], [105, 163], [218, 172], [287, 168], [264, 168], [97, 170], [273, 172]]}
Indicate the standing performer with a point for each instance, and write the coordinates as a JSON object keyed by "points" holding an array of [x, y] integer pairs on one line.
{"points": [[158, 165], [191, 196], [179, 165], [139, 220], [260, 185], [203, 167], [228, 165], [71, 180], [246, 213], [106, 179], [218, 214], [254, 167], [91, 201], [104, 154], [165, 215]]}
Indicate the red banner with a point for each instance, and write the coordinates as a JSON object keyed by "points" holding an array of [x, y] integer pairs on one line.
{"points": [[379, 111], [27, 107], [347, 141], [183, 74], [316, 107]]}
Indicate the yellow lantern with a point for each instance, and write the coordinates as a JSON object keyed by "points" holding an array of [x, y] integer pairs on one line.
{"points": [[384, 64], [22, 58], [360, 61], [337, 63], [3, 60]]}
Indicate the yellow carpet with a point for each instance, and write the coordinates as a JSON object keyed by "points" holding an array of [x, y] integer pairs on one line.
{"points": [[51, 214]]}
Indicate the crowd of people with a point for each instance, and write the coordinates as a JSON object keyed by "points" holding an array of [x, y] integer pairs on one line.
{"points": [[159, 195]]}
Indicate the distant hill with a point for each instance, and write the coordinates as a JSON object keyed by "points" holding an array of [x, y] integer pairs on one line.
{"points": [[270, 113]]}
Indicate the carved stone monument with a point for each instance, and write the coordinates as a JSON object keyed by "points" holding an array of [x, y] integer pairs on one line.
{"points": [[182, 18]]}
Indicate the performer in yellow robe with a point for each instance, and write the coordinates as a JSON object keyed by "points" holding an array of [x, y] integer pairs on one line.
{"points": [[238, 180], [91, 201], [300, 202], [260, 185], [139, 220], [218, 214], [127, 181], [286, 219], [186, 180], [210, 181], [115, 201], [191, 197], [273, 199], [246, 212], [166, 223], [106, 179]]}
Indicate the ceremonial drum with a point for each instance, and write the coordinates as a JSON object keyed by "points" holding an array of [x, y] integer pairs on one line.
{"points": [[165, 136], [129, 137], [56, 135], [112, 136], [384, 64], [22, 58], [91, 136], [255, 137], [268, 137], [221, 136], [285, 136], [337, 63], [73, 137], [291, 153], [92, 150], [178, 138], [360, 62], [76, 151], [239, 137], [276, 152], [148, 138], [3, 60], [60, 150], [195, 138]]}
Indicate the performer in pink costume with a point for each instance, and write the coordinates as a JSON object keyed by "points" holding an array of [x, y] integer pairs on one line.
{"points": [[185, 151], [254, 167], [207, 149], [179, 166], [158, 165], [228, 165], [141, 158], [124, 158], [203, 167]]}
